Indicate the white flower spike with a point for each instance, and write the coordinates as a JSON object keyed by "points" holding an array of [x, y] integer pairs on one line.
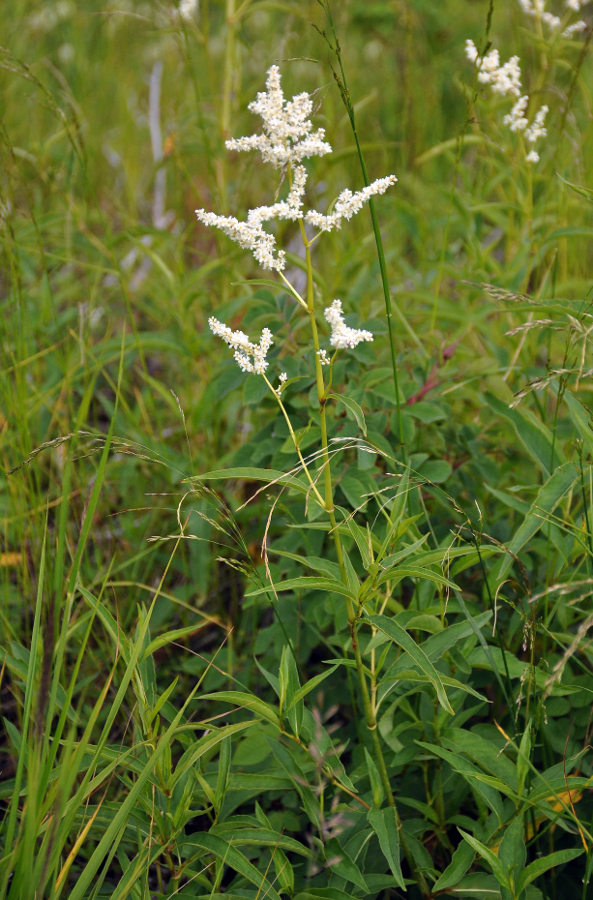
{"points": [[348, 204], [288, 135], [343, 337], [249, 357], [506, 80]]}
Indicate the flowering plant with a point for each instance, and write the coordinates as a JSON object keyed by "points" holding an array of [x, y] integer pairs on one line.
{"points": [[288, 138]]}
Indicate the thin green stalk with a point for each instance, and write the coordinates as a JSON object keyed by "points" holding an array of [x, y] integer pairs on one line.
{"points": [[345, 95]]}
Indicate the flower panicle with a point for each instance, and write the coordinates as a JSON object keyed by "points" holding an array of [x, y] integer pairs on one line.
{"points": [[287, 138], [506, 80], [287, 134], [348, 204], [536, 9], [342, 336], [249, 357]]}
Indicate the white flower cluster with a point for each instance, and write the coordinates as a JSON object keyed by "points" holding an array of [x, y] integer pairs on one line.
{"points": [[250, 234], [348, 204], [342, 336], [506, 80], [287, 138], [536, 9], [288, 135], [187, 9], [249, 357]]}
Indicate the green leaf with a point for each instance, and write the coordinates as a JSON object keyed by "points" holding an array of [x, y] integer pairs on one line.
{"points": [[535, 437], [499, 870], [461, 861], [308, 583], [353, 410], [435, 470], [487, 787], [245, 473], [581, 419], [537, 868], [226, 853], [340, 863], [548, 497], [425, 411], [404, 640], [246, 701], [384, 824], [288, 682], [322, 894], [313, 683], [317, 563], [512, 852]]}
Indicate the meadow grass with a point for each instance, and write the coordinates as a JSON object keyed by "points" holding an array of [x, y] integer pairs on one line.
{"points": [[326, 636]]}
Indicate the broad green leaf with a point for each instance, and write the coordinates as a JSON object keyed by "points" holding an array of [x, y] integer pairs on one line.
{"points": [[377, 790], [384, 824], [245, 473], [352, 408], [461, 861], [537, 868], [404, 640], [499, 870], [437, 645], [512, 852], [317, 563], [548, 497], [342, 864], [288, 683], [425, 411], [397, 573], [480, 750], [413, 675]]}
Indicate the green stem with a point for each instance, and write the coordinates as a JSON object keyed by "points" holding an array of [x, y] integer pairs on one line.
{"points": [[322, 399], [344, 93], [296, 444]]}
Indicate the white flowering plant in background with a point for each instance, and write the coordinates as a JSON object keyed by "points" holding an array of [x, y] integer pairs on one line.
{"points": [[536, 10], [504, 79], [286, 140]]}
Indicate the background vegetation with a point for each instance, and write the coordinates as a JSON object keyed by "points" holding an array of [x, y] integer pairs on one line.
{"points": [[172, 725]]}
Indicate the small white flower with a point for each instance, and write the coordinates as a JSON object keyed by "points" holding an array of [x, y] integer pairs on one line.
{"points": [[342, 336], [323, 357], [575, 28], [537, 128], [249, 357], [282, 379], [505, 79], [516, 119], [187, 9], [532, 156]]}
